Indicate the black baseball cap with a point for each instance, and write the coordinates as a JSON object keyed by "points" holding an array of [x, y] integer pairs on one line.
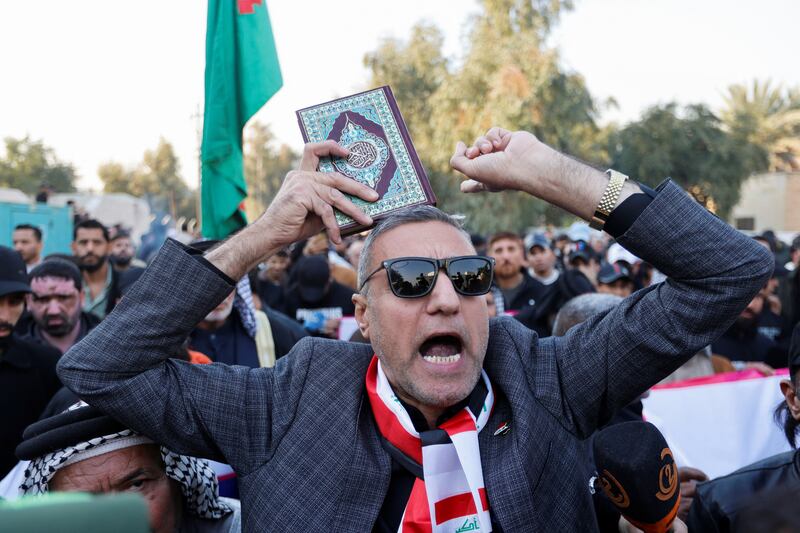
{"points": [[581, 250], [611, 273], [537, 239], [13, 274], [313, 274]]}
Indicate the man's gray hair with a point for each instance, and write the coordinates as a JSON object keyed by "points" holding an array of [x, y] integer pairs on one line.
{"points": [[581, 308], [422, 213]]}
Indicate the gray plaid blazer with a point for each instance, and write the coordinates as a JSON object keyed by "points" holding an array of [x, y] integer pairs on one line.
{"points": [[301, 436]]}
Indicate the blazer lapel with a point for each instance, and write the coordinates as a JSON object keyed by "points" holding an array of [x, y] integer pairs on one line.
{"points": [[503, 472], [513, 459], [367, 479]]}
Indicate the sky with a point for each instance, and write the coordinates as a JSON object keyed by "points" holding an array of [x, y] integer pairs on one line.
{"points": [[101, 81]]}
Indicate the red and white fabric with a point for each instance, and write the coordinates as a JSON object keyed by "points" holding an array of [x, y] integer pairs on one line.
{"points": [[452, 496]]}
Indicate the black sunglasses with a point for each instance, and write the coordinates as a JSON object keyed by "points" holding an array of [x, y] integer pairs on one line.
{"points": [[414, 277]]}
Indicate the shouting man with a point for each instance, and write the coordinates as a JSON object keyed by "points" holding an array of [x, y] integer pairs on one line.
{"points": [[448, 420]]}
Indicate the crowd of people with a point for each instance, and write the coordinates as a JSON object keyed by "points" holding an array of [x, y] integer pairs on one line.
{"points": [[143, 428]]}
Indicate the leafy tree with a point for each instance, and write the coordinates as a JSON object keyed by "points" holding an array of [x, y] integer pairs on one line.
{"points": [[29, 163], [507, 77], [115, 177], [157, 179], [265, 165], [768, 117], [692, 148]]}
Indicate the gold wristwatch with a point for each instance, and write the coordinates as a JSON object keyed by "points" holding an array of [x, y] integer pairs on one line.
{"points": [[609, 199]]}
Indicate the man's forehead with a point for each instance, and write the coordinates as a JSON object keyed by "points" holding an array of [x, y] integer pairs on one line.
{"points": [[118, 465], [506, 242], [90, 233], [22, 233], [423, 239], [49, 284]]}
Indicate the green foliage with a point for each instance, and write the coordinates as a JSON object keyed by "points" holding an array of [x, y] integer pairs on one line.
{"points": [[156, 178], [28, 163], [507, 77], [768, 117], [265, 165], [692, 148]]}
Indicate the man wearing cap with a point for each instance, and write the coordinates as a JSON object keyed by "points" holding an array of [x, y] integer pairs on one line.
{"points": [[315, 299], [615, 279], [354, 437], [27, 370], [541, 259], [83, 450], [583, 259]]}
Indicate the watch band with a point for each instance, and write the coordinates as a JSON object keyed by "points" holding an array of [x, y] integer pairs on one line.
{"points": [[609, 199]]}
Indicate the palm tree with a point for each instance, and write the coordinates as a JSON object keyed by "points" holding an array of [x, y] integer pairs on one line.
{"points": [[768, 117]]}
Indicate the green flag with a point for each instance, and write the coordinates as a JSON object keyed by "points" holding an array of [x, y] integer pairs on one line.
{"points": [[242, 73]]}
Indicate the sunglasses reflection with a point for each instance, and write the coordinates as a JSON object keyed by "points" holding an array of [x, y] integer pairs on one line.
{"points": [[416, 277]]}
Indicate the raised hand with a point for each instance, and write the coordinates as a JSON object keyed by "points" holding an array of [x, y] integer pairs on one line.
{"points": [[303, 207], [502, 160], [305, 202], [506, 160]]}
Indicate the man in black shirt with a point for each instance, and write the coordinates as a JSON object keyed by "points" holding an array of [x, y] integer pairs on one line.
{"points": [[317, 301], [27, 370], [514, 288], [742, 341]]}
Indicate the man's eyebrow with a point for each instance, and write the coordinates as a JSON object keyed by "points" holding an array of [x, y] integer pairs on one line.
{"points": [[132, 475], [49, 295]]}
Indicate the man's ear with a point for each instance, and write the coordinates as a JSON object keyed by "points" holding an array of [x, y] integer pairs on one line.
{"points": [[790, 394], [360, 301]]}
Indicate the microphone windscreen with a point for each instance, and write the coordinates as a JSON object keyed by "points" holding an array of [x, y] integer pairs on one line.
{"points": [[637, 472]]}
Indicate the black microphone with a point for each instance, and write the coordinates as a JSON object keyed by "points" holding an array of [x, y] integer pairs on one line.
{"points": [[637, 473]]}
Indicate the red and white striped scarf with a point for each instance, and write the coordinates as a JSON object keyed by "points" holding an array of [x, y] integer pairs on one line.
{"points": [[451, 496]]}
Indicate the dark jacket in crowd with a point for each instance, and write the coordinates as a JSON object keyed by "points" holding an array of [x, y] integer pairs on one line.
{"points": [[528, 295], [336, 302], [540, 317], [744, 343], [285, 332], [28, 329], [232, 345], [272, 295], [27, 382], [114, 292], [720, 504]]}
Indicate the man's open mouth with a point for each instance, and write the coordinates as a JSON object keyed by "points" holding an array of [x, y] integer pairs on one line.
{"points": [[441, 349]]}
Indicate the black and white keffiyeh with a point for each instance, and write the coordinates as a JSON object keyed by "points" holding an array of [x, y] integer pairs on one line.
{"points": [[244, 305], [196, 478]]}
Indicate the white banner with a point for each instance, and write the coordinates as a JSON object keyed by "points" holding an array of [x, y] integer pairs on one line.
{"points": [[720, 423]]}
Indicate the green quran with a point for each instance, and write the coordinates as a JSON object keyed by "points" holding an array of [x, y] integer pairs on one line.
{"points": [[382, 155]]}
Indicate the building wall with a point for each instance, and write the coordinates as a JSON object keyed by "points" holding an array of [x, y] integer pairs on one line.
{"points": [[771, 200]]}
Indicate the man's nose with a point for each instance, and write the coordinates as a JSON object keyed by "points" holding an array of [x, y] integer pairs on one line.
{"points": [[52, 307], [443, 298]]}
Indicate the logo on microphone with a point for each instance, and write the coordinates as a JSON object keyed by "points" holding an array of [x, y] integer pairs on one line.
{"points": [[614, 490], [667, 477]]}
